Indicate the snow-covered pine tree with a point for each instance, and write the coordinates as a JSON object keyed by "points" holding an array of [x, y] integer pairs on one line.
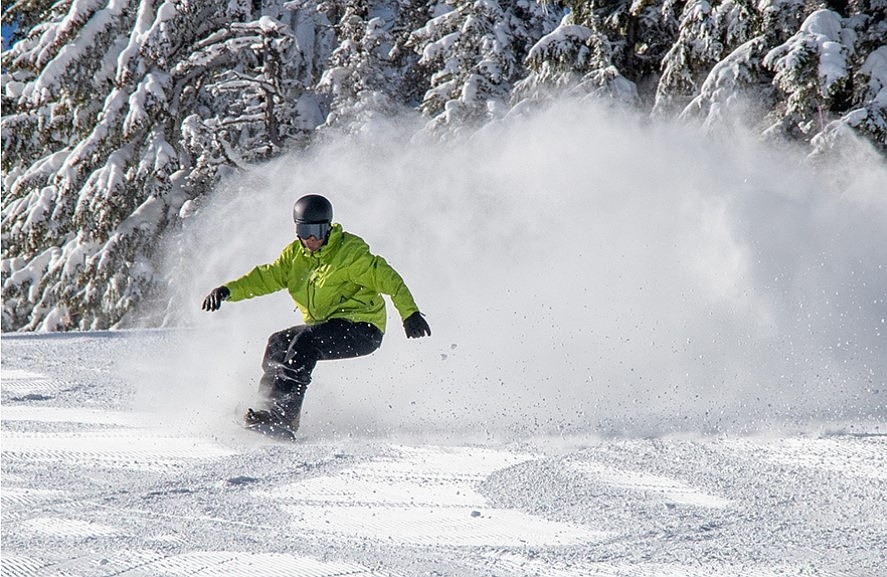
{"points": [[739, 80], [360, 80], [867, 114], [832, 72], [558, 61], [867, 110], [476, 53], [813, 76], [811, 71], [114, 114], [605, 48], [415, 78], [708, 32]]}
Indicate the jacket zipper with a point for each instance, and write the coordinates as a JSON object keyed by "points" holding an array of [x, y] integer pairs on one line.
{"points": [[312, 289]]}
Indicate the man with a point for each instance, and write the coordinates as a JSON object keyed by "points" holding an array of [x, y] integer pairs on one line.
{"points": [[338, 286]]}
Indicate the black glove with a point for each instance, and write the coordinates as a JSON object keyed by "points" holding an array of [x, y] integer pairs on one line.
{"points": [[215, 298], [415, 326]]}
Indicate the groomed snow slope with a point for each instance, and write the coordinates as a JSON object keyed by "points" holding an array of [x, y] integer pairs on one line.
{"points": [[96, 482]]}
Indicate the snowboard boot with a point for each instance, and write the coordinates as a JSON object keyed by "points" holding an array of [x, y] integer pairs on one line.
{"points": [[280, 420]]}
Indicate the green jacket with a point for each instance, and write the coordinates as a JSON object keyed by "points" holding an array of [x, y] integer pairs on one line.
{"points": [[341, 280]]}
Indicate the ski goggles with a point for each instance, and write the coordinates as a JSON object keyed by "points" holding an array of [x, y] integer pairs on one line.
{"points": [[318, 230]]}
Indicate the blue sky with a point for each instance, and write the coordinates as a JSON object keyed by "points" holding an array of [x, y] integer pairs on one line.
{"points": [[7, 34]]}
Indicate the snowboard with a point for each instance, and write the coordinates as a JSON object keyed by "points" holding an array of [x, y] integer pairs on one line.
{"points": [[270, 430]]}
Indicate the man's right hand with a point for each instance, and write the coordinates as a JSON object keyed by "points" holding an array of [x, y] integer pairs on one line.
{"points": [[213, 301]]}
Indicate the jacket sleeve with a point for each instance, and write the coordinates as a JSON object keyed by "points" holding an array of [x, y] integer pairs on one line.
{"points": [[262, 280], [374, 273]]}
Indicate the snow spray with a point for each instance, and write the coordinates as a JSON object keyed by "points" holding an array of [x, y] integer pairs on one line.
{"points": [[582, 272]]}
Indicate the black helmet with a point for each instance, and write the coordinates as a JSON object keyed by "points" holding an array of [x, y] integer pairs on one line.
{"points": [[312, 209]]}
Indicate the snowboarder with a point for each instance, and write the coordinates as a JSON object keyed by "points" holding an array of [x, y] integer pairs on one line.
{"points": [[337, 285]]}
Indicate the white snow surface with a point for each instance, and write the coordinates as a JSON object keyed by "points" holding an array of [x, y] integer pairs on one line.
{"points": [[653, 354], [110, 466]]}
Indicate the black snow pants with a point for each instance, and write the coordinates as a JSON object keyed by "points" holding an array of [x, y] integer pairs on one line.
{"points": [[292, 354]]}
